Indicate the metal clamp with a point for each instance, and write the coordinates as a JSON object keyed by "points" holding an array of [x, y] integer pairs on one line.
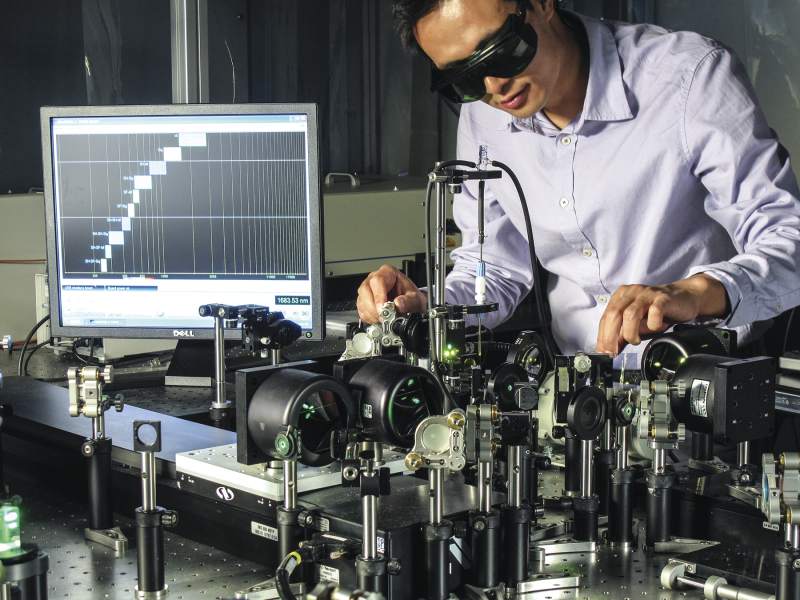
{"points": [[371, 342], [7, 343], [780, 495], [439, 443], [86, 391]]}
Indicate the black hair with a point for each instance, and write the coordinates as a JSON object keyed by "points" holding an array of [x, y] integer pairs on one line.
{"points": [[407, 13]]}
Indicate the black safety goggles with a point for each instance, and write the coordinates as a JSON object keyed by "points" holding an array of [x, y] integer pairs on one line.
{"points": [[506, 54]]}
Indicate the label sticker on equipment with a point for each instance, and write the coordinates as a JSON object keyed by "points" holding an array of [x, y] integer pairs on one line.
{"points": [[381, 545], [322, 524], [698, 403], [328, 574], [264, 531]]}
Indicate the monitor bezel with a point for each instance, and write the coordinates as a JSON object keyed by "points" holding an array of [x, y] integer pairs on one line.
{"points": [[48, 113]]}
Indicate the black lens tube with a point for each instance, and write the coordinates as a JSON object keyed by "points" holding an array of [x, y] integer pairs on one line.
{"points": [[787, 584], [438, 532], [289, 534], [437, 541], [100, 508], [572, 464], [604, 463], [485, 528], [659, 507], [585, 509], [702, 446], [620, 509], [150, 550], [516, 543], [371, 573]]}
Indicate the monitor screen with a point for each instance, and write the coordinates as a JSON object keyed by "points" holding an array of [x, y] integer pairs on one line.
{"points": [[153, 211]]}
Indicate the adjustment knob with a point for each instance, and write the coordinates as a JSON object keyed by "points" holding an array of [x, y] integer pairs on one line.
{"points": [[169, 518], [582, 363], [87, 448]]}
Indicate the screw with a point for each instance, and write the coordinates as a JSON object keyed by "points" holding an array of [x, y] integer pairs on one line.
{"points": [[455, 420], [414, 461], [393, 566]]}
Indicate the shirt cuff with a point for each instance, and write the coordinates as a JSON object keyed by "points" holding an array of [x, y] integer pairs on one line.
{"points": [[737, 285]]}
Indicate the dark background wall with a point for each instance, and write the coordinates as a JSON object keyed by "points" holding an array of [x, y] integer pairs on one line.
{"points": [[73, 53], [39, 64], [342, 54]]}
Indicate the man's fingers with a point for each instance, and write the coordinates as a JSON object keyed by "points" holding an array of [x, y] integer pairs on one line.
{"points": [[632, 319], [381, 282], [411, 302], [611, 323], [655, 315], [403, 284], [367, 311]]}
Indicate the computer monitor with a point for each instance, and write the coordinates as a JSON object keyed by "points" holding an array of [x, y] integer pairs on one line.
{"points": [[155, 210]]}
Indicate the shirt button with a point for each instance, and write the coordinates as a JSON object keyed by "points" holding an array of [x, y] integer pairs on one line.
{"points": [[588, 253], [602, 299], [564, 202], [566, 140]]}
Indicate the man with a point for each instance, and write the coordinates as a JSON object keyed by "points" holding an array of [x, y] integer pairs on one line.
{"points": [[658, 193]]}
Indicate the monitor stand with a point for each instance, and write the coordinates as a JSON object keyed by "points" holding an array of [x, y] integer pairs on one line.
{"points": [[192, 364]]}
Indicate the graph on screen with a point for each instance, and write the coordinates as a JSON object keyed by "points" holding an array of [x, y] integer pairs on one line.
{"points": [[186, 204]]}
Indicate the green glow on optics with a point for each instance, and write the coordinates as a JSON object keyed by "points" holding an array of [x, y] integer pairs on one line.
{"points": [[308, 411], [10, 540]]}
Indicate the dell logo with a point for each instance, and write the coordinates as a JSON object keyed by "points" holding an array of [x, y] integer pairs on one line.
{"points": [[224, 493], [182, 333]]}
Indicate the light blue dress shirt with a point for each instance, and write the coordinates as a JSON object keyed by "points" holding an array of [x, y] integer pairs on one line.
{"points": [[669, 170]]}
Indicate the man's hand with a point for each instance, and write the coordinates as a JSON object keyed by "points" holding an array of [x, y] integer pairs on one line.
{"points": [[388, 283], [638, 311]]}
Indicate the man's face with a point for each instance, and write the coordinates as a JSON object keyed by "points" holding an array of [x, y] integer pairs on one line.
{"points": [[455, 29]]}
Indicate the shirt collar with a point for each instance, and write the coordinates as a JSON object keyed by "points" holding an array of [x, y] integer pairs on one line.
{"points": [[606, 99]]}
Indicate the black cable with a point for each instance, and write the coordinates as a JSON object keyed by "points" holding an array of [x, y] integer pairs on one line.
{"points": [[90, 360], [283, 573], [542, 308], [30, 355], [28, 339]]}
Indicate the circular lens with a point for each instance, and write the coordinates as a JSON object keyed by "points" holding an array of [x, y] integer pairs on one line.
{"points": [[317, 412], [586, 413], [436, 438], [408, 407], [147, 434]]}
